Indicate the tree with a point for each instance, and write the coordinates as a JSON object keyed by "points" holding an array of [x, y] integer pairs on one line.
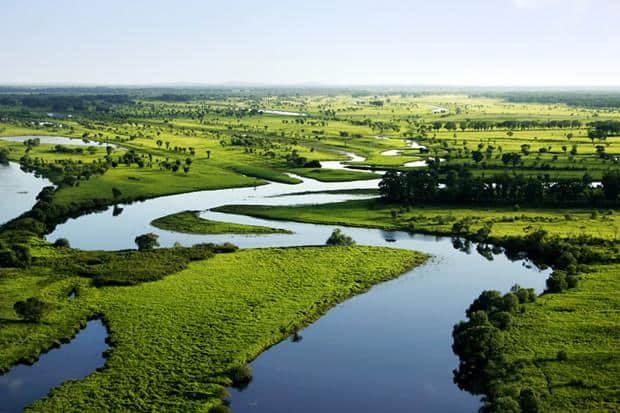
{"points": [[529, 401], [611, 185], [208, 154], [62, 243], [147, 241], [477, 156], [116, 192], [339, 238], [241, 376], [30, 310], [4, 157], [556, 283]]}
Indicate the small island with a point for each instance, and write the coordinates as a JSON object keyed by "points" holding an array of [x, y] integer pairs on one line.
{"points": [[189, 222]]}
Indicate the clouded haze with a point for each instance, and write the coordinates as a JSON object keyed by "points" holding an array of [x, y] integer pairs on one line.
{"points": [[449, 42]]}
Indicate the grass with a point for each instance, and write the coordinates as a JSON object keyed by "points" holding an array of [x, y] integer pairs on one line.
{"points": [[439, 220], [174, 340], [334, 175], [584, 323], [189, 222]]}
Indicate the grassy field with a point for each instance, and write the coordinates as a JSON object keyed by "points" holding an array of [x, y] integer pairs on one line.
{"points": [[189, 222], [583, 322], [439, 220], [174, 340]]}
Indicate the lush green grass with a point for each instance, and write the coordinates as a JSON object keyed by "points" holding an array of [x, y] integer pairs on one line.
{"points": [[334, 175], [189, 222], [584, 323], [439, 220], [174, 340]]}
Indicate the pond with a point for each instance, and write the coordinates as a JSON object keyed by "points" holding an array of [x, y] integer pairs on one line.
{"points": [[24, 384], [18, 191], [58, 140]]}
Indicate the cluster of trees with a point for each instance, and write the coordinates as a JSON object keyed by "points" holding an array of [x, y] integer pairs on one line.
{"points": [[602, 129], [338, 237], [593, 99], [419, 187], [297, 161], [479, 343], [69, 102], [65, 172], [506, 124], [30, 310]]}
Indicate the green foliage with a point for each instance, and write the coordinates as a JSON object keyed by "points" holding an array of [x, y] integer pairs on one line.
{"points": [[241, 376], [556, 283], [62, 243], [338, 237], [147, 242], [30, 310]]}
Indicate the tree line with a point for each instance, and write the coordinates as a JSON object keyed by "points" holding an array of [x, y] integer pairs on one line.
{"points": [[421, 187]]}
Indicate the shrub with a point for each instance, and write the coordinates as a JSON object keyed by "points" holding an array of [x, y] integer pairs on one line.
{"points": [[147, 241], [562, 355], [501, 320], [8, 258], [241, 376], [556, 283], [339, 238], [572, 281], [510, 302], [525, 295], [529, 401], [30, 310], [62, 243]]}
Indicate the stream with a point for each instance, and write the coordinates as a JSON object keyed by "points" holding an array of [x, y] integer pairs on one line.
{"points": [[386, 350]]}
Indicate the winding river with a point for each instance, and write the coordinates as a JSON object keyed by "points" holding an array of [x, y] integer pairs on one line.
{"points": [[386, 350]]}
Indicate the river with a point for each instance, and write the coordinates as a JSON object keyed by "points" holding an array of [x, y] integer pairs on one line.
{"points": [[386, 350]]}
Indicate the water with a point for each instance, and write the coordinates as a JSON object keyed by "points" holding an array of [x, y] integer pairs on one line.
{"points": [[388, 349], [58, 140], [283, 113], [24, 384], [18, 191]]}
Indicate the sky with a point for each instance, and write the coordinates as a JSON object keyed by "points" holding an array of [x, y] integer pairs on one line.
{"points": [[335, 42]]}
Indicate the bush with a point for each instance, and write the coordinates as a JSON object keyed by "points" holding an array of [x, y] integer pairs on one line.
{"points": [[529, 401], [510, 302], [62, 243], [147, 242], [501, 320], [241, 376], [556, 283], [572, 281], [562, 355], [8, 258], [30, 310], [525, 295], [339, 238]]}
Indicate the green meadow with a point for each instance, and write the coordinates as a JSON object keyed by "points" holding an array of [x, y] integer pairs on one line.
{"points": [[175, 340]]}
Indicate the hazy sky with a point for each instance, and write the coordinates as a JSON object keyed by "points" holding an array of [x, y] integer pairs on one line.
{"points": [[449, 42]]}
